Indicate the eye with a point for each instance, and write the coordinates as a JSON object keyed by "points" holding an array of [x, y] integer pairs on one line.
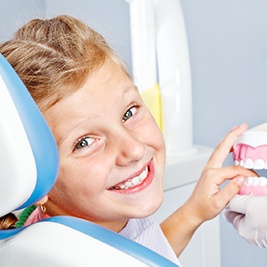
{"points": [[84, 142], [129, 113]]}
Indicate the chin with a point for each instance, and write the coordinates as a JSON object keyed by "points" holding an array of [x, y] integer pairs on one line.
{"points": [[153, 205]]}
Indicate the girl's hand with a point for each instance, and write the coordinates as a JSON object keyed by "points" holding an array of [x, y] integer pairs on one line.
{"points": [[208, 200]]}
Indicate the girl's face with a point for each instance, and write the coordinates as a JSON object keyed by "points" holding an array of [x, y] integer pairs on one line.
{"points": [[112, 153]]}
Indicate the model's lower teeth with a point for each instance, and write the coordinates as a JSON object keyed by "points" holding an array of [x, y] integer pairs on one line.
{"points": [[256, 186], [254, 181], [132, 182]]}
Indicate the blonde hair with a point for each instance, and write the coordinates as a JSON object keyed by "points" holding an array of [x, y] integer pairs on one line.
{"points": [[8, 221], [54, 57]]}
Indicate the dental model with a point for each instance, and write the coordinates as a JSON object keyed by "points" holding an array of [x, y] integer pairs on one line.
{"points": [[250, 151]]}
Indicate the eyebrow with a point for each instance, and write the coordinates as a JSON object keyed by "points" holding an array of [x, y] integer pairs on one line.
{"points": [[79, 124], [127, 89]]}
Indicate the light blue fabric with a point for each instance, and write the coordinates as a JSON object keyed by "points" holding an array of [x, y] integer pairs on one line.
{"points": [[147, 232]]}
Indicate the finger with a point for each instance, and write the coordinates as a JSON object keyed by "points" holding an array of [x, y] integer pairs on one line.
{"points": [[229, 191], [264, 242], [238, 222], [220, 175], [224, 147]]}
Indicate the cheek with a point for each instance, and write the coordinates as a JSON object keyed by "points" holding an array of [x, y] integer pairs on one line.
{"points": [[79, 179], [65, 187], [154, 139], [155, 136]]}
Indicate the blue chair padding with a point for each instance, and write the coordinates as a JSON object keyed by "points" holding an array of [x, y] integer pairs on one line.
{"points": [[135, 250], [42, 142], [115, 240]]}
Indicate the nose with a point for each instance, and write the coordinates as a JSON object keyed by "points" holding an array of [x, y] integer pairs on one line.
{"points": [[129, 148]]}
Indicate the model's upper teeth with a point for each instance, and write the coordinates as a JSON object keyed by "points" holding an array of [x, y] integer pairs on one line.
{"points": [[259, 164], [133, 181], [254, 181]]}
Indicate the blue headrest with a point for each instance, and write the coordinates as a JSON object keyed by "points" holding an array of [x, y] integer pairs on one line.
{"points": [[29, 159], [67, 241]]}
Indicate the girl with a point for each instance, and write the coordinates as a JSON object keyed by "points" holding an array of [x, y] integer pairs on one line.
{"points": [[112, 153]]}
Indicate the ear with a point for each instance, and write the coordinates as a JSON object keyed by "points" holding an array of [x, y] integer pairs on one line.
{"points": [[42, 201]]}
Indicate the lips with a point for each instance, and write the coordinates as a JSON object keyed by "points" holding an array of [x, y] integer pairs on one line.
{"points": [[250, 152], [136, 182]]}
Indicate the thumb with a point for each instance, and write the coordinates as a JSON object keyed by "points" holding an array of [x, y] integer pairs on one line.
{"points": [[231, 189]]}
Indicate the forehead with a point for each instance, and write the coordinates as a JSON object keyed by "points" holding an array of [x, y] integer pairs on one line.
{"points": [[101, 78], [69, 82], [103, 92]]}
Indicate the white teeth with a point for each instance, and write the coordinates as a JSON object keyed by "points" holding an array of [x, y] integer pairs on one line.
{"points": [[134, 181], [128, 184], [259, 164], [248, 164], [143, 175], [254, 181], [262, 181], [248, 181]]}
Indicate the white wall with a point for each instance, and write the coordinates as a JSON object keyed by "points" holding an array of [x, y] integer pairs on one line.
{"points": [[14, 13], [110, 18], [228, 46]]}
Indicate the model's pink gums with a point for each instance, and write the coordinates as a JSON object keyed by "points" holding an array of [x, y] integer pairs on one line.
{"points": [[257, 190], [243, 152]]}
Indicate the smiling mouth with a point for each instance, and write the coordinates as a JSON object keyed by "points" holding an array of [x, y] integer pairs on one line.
{"points": [[132, 182], [250, 152]]}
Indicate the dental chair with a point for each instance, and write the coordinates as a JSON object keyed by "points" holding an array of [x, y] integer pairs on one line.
{"points": [[29, 163]]}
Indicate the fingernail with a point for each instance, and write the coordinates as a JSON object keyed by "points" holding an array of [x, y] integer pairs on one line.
{"points": [[240, 180], [243, 125], [239, 126]]}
